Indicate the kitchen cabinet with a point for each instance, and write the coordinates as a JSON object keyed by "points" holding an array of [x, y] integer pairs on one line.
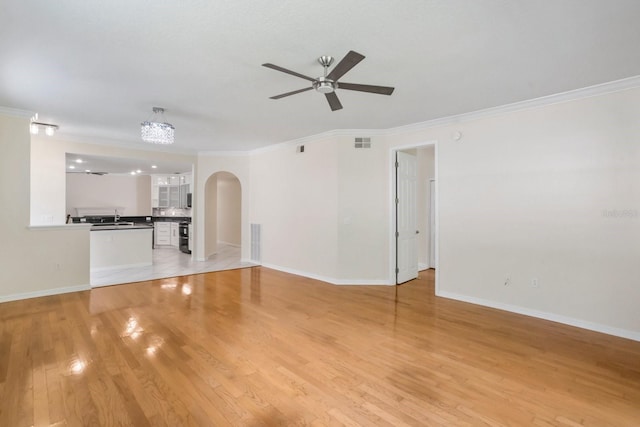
{"points": [[169, 196], [163, 196], [162, 232], [175, 234], [167, 234], [184, 190], [170, 191]]}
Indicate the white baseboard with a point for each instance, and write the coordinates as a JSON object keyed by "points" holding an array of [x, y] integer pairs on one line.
{"points": [[220, 242], [352, 282], [117, 267], [44, 293], [326, 279], [422, 267], [597, 327]]}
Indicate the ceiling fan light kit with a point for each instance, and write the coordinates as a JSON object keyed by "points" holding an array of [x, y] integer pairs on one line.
{"points": [[328, 83], [324, 85], [157, 131]]}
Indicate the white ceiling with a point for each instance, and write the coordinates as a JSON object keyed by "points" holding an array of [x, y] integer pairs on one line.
{"points": [[96, 68]]}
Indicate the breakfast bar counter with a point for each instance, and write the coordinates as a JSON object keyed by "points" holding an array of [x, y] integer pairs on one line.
{"points": [[120, 245]]}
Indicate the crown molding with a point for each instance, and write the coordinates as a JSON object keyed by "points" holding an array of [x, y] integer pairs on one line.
{"points": [[14, 112], [224, 153], [572, 95]]}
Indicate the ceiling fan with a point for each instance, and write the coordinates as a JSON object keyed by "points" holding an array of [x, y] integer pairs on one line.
{"points": [[328, 83]]}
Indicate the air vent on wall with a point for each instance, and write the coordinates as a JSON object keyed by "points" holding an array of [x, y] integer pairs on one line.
{"points": [[256, 243], [300, 149], [362, 143]]}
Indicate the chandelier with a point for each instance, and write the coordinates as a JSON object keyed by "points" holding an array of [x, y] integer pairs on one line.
{"points": [[156, 130]]}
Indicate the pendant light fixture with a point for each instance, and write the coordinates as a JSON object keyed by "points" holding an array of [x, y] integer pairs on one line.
{"points": [[157, 130]]}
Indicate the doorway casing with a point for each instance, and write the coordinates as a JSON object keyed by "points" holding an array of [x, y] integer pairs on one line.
{"points": [[392, 208]]}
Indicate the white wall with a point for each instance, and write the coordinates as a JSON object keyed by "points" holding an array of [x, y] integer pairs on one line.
{"points": [[132, 193], [143, 191], [363, 209], [323, 211], [526, 194], [294, 196], [33, 262], [48, 204], [229, 209]]}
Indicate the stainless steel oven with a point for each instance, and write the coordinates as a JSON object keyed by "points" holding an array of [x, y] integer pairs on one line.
{"points": [[183, 229]]}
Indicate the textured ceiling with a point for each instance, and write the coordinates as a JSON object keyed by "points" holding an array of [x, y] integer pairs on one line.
{"points": [[96, 68]]}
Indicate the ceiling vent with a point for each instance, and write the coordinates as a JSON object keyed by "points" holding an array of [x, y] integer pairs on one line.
{"points": [[363, 143]]}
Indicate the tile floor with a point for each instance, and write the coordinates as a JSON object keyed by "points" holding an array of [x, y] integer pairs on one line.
{"points": [[170, 262]]}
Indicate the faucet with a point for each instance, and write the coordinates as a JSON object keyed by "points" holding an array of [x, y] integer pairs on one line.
{"points": [[116, 217]]}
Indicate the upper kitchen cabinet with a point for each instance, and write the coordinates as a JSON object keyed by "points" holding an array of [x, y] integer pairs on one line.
{"points": [[170, 191]]}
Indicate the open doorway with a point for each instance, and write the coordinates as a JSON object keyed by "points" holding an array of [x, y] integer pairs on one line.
{"points": [[223, 214], [414, 211]]}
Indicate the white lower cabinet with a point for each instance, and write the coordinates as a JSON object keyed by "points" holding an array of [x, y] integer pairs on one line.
{"points": [[175, 234], [162, 232], [167, 234]]}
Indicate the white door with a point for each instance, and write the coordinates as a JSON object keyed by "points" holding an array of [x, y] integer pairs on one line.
{"points": [[406, 217], [432, 224]]}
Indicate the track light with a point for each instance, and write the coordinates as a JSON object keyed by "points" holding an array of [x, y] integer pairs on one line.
{"points": [[49, 129]]}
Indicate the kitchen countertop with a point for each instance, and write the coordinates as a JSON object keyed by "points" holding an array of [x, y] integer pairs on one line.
{"points": [[135, 219], [126, 226], [171, 219]]}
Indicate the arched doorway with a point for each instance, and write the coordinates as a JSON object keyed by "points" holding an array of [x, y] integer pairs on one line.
{"points": [[223, 213]]}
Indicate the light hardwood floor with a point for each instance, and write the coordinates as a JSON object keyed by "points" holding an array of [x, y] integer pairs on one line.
{"points": [[257, 347], [170, 262]]}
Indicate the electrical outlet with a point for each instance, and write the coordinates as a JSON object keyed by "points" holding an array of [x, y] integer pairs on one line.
{"points": [[507, 280], [535, 283]]}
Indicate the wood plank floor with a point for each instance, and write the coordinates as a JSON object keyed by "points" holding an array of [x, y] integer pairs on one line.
{"points": [[257, 347]]}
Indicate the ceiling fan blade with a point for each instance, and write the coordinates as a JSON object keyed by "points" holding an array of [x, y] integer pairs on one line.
{"points": [[334, 102], [282, 95], [350, 60], [382, 90], [284, 70]]}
